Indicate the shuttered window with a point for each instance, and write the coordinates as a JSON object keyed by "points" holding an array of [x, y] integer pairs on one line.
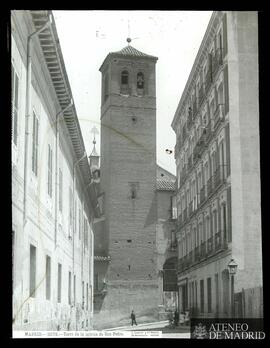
{"points": [[35, 140], [50, 171], [15, 98], [60, 190]]}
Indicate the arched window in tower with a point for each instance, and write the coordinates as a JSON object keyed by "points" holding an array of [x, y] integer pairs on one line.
{"points": [[106, 87], [125, 82], [140, 83]]}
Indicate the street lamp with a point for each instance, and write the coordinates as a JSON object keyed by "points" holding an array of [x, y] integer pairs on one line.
{"points": [[232, 267]]}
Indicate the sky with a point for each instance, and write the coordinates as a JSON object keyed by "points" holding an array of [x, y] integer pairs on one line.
{"points": [[86, 37]]}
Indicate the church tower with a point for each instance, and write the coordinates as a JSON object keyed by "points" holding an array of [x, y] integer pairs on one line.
{"points": [[128, 180]]}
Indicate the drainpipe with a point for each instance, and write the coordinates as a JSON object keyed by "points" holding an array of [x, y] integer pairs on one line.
{"points": [[56, 168], [27, 114]]}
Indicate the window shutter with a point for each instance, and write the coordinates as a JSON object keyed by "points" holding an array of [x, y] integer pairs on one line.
{"points": [[225, 44], [227, 138], [37, 140], [33, 143], [229, 215], [226, 89]]}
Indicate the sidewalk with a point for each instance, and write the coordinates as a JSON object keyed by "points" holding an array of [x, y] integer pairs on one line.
{"points": [[177, 332]]}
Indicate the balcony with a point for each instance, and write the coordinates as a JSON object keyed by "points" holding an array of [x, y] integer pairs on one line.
{"points": [[190, 208], [217, 61], [183, 176], [191, 257], [201, 95], [218, 240], [189, 164], [203, 250], [194, 109], [207, 133], [202, 195], [208, 80], [209, 245], [198, 149], [209, 186], [197, 254], [218, 115], [189, 120], [185, 215]]}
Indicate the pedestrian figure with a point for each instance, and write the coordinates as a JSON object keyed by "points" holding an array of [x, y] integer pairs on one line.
{"points": [[176, 318], [133, 318]]}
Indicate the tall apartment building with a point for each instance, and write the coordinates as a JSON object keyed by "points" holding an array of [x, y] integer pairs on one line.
{"points": [[51, 209], [218, 172]]}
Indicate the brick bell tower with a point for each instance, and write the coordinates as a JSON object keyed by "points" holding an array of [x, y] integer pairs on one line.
{"points": [[128, 179]]}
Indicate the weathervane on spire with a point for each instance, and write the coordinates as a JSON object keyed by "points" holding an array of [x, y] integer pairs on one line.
{"points": [[94, 131], [128, 39]]}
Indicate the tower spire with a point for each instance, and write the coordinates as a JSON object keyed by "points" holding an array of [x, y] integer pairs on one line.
{"points": [[94, 157]]}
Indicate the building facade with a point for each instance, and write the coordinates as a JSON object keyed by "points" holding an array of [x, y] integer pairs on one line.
{"points": [[218, 172], [52, 215]]}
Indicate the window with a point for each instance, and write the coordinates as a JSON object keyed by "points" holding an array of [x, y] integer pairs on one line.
{"points": [[215, 221], [140, 82], [14, 98], [106, 87], [133, 190], [69, 288], [80, 223], [83, 294], [124, 78], [59, 282], [202, 294], [48, 277], [209, 295], [74, 289], [32, 287], [224, 215], [50, 170], [60, 190], [87, 299], [220, 94], [85, 233], [217, 292], [13, 264], [70, 208], [35, 144]]}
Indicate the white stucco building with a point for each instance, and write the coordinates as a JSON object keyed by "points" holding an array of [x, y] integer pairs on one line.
{"points": [[51, 206]]}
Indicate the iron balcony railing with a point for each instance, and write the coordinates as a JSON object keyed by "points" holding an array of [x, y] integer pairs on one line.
{"points": [[206, 250], [189, 164], [209, 245], [207, 132], [203, 250], [218, 240], [208, 80], [197, 254], [217, 61], [200, 95], [190, 208], [202, 195], [183, 175], [194, 108], [185, 214], [209, 186], [218, 115], [189, 120], [198, 149]]}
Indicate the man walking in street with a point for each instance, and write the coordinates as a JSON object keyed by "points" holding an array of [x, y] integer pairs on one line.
{"points": [[133, 318]]}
